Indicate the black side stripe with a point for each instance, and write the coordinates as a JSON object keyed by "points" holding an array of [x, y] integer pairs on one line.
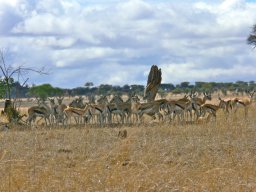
{"points": [[114, 109], [76, 112], [193, 107], [38, 111], [180, 106], [212, 108], [109, 109], [241, 103], [98, 109]]}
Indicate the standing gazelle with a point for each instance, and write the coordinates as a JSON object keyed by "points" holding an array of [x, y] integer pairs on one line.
{"points": [[122, 108], [211, 109], [197, 102], [60, 110], [226, 104], [42, 110], [244, 102], [151, 108], [76, 113]]}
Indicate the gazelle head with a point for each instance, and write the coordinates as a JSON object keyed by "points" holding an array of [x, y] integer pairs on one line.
{"points": [[185, 98], [59, 100], [193, 94], [222, 104], [78, 102], [116, 99], [40, 101], [207, 96], [250, 94], [135, 99], [102, 100], [51, 100]]}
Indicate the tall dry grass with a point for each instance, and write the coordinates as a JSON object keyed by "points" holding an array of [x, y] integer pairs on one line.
{"points": [[219, 156]]}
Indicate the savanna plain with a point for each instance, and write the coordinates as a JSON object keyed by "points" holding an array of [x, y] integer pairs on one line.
{"points": [[155, 156]]}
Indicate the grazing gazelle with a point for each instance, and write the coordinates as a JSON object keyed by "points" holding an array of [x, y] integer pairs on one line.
{"points": [[212, 109], [189, 108], [226, 104], [209, 108]]}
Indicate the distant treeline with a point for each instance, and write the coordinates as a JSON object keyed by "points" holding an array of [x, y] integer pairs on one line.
{"points": [[47, 90]]}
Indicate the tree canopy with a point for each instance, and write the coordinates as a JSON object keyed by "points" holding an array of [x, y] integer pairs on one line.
{"points": [[45, 90], [251, 40]]}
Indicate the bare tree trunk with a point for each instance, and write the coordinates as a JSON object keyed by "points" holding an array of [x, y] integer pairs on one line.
{"points": [[154, 80]]}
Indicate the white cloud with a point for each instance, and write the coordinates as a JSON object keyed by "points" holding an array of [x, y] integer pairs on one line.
{"points": [[118, 41], [68, 57], [230, 5], [135, 10], [12, 3], [187, 71]]}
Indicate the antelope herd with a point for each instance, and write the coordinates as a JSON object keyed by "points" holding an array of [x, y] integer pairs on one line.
{"points": [[190, 108]]}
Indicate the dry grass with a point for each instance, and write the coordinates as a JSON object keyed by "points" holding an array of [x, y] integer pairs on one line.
{"points": [[219, 156]]}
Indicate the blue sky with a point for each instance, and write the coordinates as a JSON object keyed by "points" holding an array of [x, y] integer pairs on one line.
{"points": [[116, 42]]}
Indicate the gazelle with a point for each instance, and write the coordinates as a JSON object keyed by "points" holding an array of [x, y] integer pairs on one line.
{"points": [[42, 110], [60, 110], [244, 102], [226, 104], [212, 109], [100, 111], [189, 107], [209, 108], [197, 102], [96, 114], [151, 108], [77, 103], [75, 112], [122, 108], [53, 110], [177, 108], [102, 105]]}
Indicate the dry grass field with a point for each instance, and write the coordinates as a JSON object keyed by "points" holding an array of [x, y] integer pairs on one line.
{"points": [[218, 156]]}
